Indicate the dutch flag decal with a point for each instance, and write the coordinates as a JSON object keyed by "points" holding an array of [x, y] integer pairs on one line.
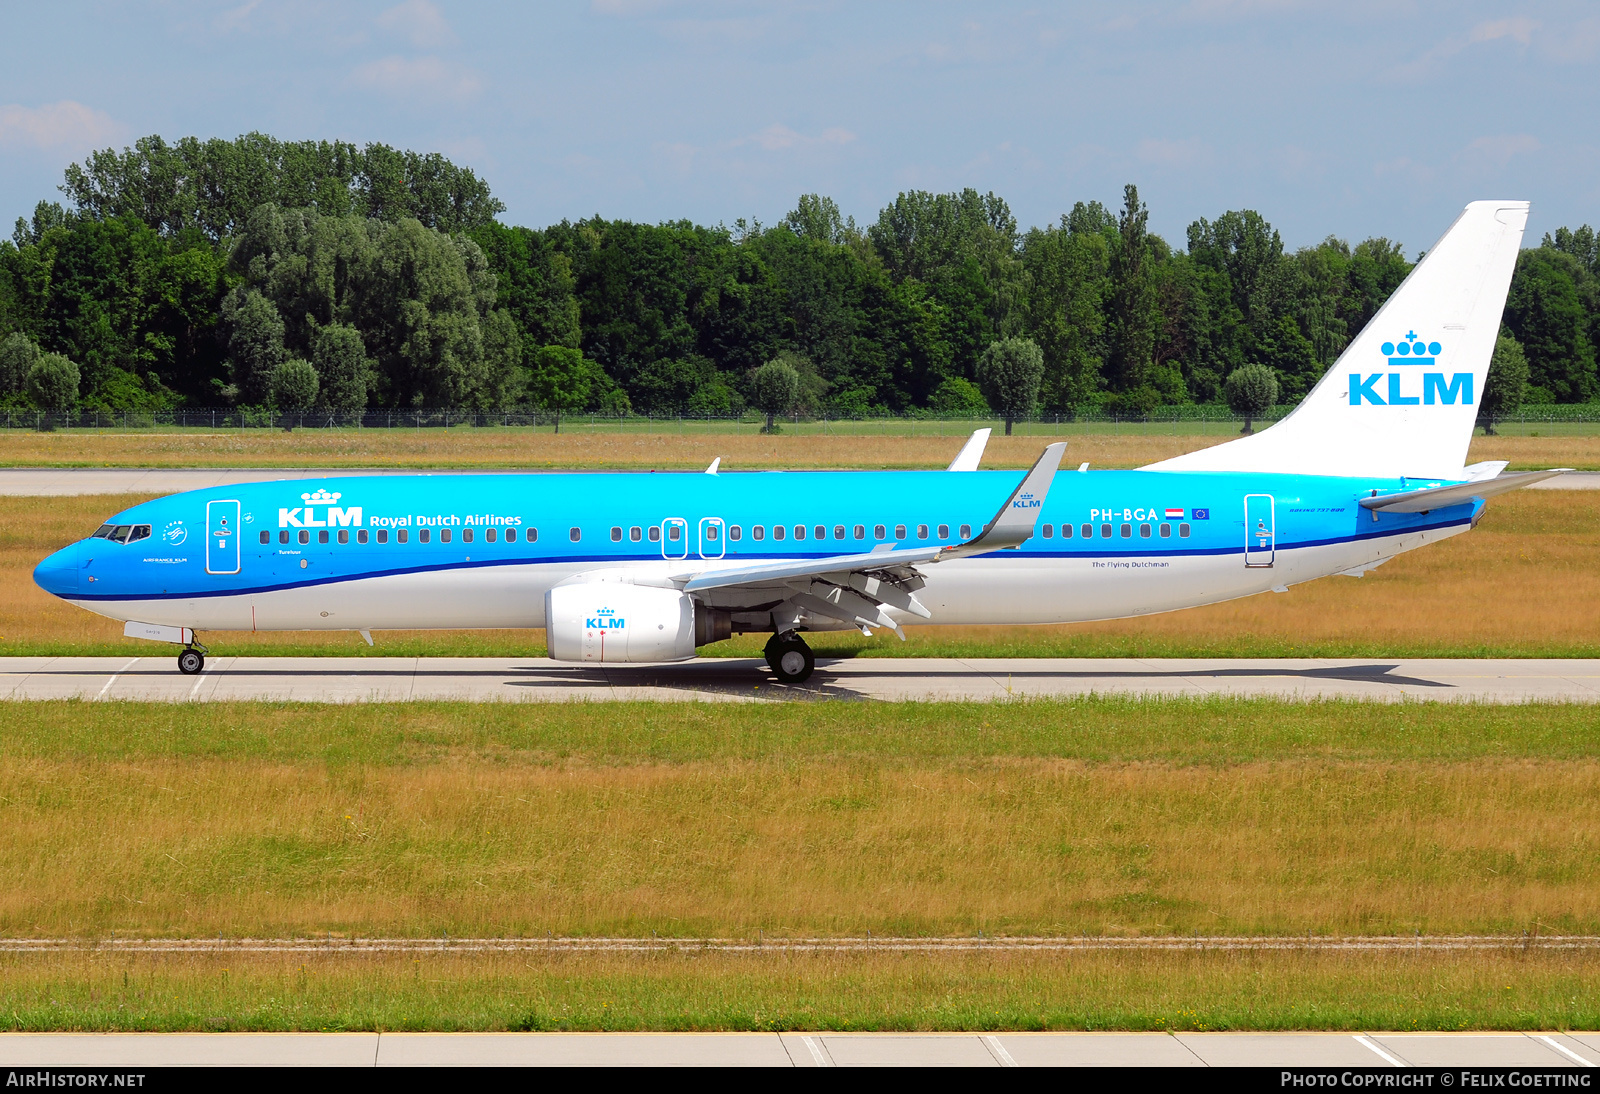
{"points": [[1174, 514]]}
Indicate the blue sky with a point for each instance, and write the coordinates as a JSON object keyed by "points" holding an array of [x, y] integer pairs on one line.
{"points": [[1355, 118]]}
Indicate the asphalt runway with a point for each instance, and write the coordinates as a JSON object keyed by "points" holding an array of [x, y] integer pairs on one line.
{"points": [[64, 481], [1542, 1051], [389, 679]]}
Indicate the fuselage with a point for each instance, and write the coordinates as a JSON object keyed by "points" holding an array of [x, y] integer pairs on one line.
{"points": [[480, 551]]}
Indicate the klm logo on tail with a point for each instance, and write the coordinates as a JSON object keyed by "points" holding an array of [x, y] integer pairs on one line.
{"points": [[1397, 388]]}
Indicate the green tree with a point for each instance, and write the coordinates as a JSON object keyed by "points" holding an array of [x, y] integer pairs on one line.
{"points": [[255, 346], [1008, 375], [17, 355], [817, 218], [342, 366], [1251, 391], [52, 383], [1507, 384], [563, 380], [774, 387], [1134, 313], [293, 386], [1549, 310], [958, 398]]}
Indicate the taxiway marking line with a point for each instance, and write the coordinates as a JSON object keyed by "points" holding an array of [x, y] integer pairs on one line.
{"points": [[1000, 1054], [1374, 1047], [1564, 1050], [114, 676], [816, 1053]]}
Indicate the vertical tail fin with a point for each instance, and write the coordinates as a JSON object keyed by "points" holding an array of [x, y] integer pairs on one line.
{"points": [[1403, 397]]}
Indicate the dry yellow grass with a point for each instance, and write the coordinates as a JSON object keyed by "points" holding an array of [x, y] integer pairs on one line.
{"points": [[466, 448], [1018, 846], [1525, 583], [777, 991]]}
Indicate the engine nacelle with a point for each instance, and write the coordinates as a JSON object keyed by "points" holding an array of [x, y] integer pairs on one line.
{"points": [[611, 622]]}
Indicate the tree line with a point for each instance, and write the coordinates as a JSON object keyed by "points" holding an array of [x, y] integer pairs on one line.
{"points": [[296, 275]]}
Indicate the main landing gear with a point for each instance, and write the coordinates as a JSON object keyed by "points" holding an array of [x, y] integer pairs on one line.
{"points": [[790, 658], [192, 660]]}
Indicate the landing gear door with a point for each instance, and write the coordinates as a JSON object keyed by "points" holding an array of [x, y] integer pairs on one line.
{"points": [[1260, 531], [712, 537], [222, 537], [674, 538]]}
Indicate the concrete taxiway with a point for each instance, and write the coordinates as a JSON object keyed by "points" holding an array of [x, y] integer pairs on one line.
{"points": [[1539, 1051], [389, 679], [63, 481]]}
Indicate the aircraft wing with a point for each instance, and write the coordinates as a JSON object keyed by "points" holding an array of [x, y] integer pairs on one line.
{"points": [[1437, 497], [854, 588]]}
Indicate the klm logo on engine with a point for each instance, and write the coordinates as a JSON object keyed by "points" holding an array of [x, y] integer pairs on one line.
{"points": [[306, 516], [1408, 362], [606, 619]]}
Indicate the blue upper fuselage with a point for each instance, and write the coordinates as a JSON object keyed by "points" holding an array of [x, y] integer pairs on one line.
{"points": [[295, 532]]}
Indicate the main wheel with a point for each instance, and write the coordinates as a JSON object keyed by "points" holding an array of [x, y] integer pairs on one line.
{"points": [[190, 662], [790, 659]]}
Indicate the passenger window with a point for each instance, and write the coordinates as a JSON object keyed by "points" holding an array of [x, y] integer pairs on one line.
{"points": [[966, 531], [799, 531], [655, 534], [361, 536], [819, 532], [266, 536], [511, 535], [383, 535], [735, 533], [861, 531], [322, 536], [1166, 531], [1047, 530], [899, 531], [922, 531], [1144, 531], [1066, 531], [575, 534], [616, 535], [402, 535], [1105, 531], [490, 535], [777, 531], [711, 533], [422, 536], [344, 536], [140, 531], [838, 531], [466, 536], [758, 532], [1183, 531], [444, 535], [1087, 531], [1127, 531], [531, 535], [635, 533], [944, 531], [304, 536], [674, 532], [879, 532]]}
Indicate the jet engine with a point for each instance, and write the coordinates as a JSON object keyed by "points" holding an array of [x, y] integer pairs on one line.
{"points": [[613, 622]]}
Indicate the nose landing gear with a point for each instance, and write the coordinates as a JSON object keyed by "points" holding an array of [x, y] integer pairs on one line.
{"points": [[193, 659], [790, 658]]}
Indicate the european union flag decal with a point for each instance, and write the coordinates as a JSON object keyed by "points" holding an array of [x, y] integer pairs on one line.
{"points": [[1201, 514]]}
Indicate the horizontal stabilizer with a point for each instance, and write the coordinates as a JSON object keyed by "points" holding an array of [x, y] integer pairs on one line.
{"points": [[1438, 497]]}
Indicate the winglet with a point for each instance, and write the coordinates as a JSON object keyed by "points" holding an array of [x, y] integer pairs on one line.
{"points": [[971, 452], [716, 463], [1014, 523]]}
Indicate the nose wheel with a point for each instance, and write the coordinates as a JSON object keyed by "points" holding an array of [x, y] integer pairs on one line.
{"points": [[790, 658], [192, 660]]}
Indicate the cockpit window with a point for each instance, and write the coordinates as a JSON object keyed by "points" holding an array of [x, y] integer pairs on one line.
{"points": [[119, 534], [140, 531], [104, 531]]}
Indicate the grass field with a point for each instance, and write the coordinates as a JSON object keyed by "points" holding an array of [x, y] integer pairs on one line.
{"points": [[844, 445], [1525, 583], [1086, 816]]}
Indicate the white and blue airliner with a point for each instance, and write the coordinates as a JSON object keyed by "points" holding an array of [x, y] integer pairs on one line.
{"points": [[648, 567]]}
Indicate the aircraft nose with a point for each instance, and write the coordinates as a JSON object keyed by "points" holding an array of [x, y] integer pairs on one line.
{"points": [[58, 574]]}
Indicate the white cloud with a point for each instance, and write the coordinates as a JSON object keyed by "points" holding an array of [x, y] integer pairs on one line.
{"points": [[777, 138], [413, 76], [419, 22], [1163, 153], [65, 124], [1502, 148], [1519, 29]]}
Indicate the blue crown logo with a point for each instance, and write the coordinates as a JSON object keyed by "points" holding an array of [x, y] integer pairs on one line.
{"points": [[1411, 351], [606, 611]]}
